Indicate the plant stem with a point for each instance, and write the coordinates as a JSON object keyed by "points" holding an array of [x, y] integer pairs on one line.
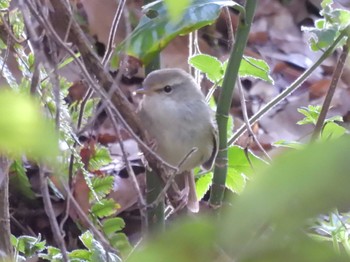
{"points": [[5, 242], [224, 103], [327, 101], [288, 90], [154, 185]]}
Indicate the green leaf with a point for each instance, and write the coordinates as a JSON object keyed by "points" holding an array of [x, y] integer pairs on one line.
{"points": [[112, 225], [19, 180], [102, 185], [209, 65], [235, 181], [238, 162], [176, 8], [120, 242], [332, 130], [256, 68], [289, 144], [23, 129], [106, 207], [203, 184], [100, 158], [98, 253], [86, 238], [30, 245], [311, 114], [215, 70], [153, 34], [81, 254]]}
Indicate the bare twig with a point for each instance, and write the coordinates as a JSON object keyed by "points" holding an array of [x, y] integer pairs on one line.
{"points": [[51, 214], [246, 119], [113, 32], [335, 79], [230, 34], [141, 200]]}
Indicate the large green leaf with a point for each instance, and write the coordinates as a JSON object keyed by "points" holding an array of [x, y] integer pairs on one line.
{"points": [[155, 30], [265, 223]]}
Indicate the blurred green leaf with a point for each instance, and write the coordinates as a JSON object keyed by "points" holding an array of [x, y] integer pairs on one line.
{"points": [[80, 254], [23, 129], [299, 185], [289, 144], [267, 221], [29, 245], [121, 243], [153, 34], [332, 130], [19, 181]]}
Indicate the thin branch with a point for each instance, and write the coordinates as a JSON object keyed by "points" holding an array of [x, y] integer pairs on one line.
{"points": [[246, 119], [141, 200], [113, 32], [335, 79], [51, 214], [5, 242]]}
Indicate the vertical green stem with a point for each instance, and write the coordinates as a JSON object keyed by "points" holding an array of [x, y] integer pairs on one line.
{"points": [[155, 215], [224, 103]]}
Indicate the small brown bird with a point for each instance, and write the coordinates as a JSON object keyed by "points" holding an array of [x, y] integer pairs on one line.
{"points": [[174, 112]]}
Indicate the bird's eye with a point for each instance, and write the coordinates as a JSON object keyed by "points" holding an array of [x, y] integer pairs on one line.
{"points": [[167, 89]]}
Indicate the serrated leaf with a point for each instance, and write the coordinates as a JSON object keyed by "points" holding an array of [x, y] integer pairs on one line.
{"points": [[209, 65], [256, 68], [112, 225], [153, 33], [102, 185], [100, 158], [106, 207], [203, 184], [235, 181]]}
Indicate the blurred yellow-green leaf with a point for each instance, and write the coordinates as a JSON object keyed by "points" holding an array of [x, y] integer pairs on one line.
{"points": [[23, 127]]}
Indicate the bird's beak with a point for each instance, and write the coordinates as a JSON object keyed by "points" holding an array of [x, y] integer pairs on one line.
{"points": [[142, 91]]}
